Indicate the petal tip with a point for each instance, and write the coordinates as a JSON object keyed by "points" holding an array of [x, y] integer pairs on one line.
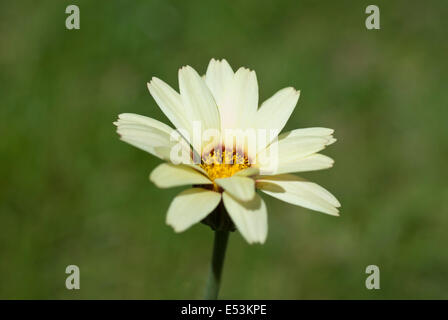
{"points": [[172, 225]]}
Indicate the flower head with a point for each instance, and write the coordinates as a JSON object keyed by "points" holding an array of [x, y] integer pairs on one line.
{"points": [[226, 147]]}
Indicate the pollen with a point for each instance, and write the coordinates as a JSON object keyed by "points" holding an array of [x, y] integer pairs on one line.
{"points": [[222, 163]]}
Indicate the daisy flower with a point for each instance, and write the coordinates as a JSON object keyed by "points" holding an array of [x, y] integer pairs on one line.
{"points": [[226, 147]]}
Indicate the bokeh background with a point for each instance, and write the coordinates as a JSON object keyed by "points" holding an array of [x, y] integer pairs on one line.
{"points": [[72, 193]]}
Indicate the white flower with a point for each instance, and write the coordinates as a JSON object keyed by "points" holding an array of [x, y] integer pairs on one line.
{"points": [[222, 100]]}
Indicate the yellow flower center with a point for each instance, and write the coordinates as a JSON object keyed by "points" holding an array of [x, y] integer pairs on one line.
{"points": [[221, 163]]}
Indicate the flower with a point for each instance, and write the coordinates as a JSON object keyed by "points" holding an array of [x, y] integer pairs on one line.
{"points": [[225, 172]]}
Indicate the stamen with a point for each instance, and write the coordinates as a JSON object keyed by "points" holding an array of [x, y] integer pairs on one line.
{"points": [[222, 163]]}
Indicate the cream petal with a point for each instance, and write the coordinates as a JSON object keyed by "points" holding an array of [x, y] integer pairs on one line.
{"points": [[242, 188], [251, 171], [198, 168], [198, 99], [162, 152], [324, 133], [275, 112], [250, 217], [307, 139], [218, 78], [190, 207], [289, 150], [151, 136], [241, 101], [142, 132], [312, 162], [169, 175], [132, 118], [145, 147], [292, 151], [331, 141], [300, 147], [170, 103], [307, 132], [298, 191]]}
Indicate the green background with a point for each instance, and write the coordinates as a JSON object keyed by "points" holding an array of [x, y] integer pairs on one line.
{"points": [[72, 193]]}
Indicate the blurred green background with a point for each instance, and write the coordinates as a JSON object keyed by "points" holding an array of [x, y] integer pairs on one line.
{"points": [[72, 193]]}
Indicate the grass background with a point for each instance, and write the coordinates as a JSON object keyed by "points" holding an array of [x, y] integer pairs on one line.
{"points": [[72, 193]]}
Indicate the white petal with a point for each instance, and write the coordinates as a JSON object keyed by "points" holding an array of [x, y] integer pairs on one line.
{"points": [[331, 141], [310, 163], [300, 147], [196, 167], [143, 132], [169, 175], [275, 112], [289, 150], [242, 188], [132, 118], [190, 207], [251, 171], [151, 136], [241, 101], [306, 132], [298, 191], [171, 104], [144, 147], [325, 133], [198, 99], [292, 151], [218, 78], [250, 218]]}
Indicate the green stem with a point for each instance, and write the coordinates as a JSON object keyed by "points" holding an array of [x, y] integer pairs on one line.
{"points": [[214, 277]]}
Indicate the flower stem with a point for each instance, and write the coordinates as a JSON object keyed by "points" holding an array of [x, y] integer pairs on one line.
{"points": [[214, 276]]}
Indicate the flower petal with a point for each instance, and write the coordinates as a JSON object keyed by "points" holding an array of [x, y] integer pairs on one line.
{"points": [[191, 206], [250, 218], [169, 175], [275, 111], [298, 191], [170, 103], [132, 118], [240, 104], [288, 150], [242, 188], [198, 99], [218, 78], [152, 136], [142, 145], [143, 132], [325, 133], [314, 131], [313, 162], [298, 147], [251, 171]]}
